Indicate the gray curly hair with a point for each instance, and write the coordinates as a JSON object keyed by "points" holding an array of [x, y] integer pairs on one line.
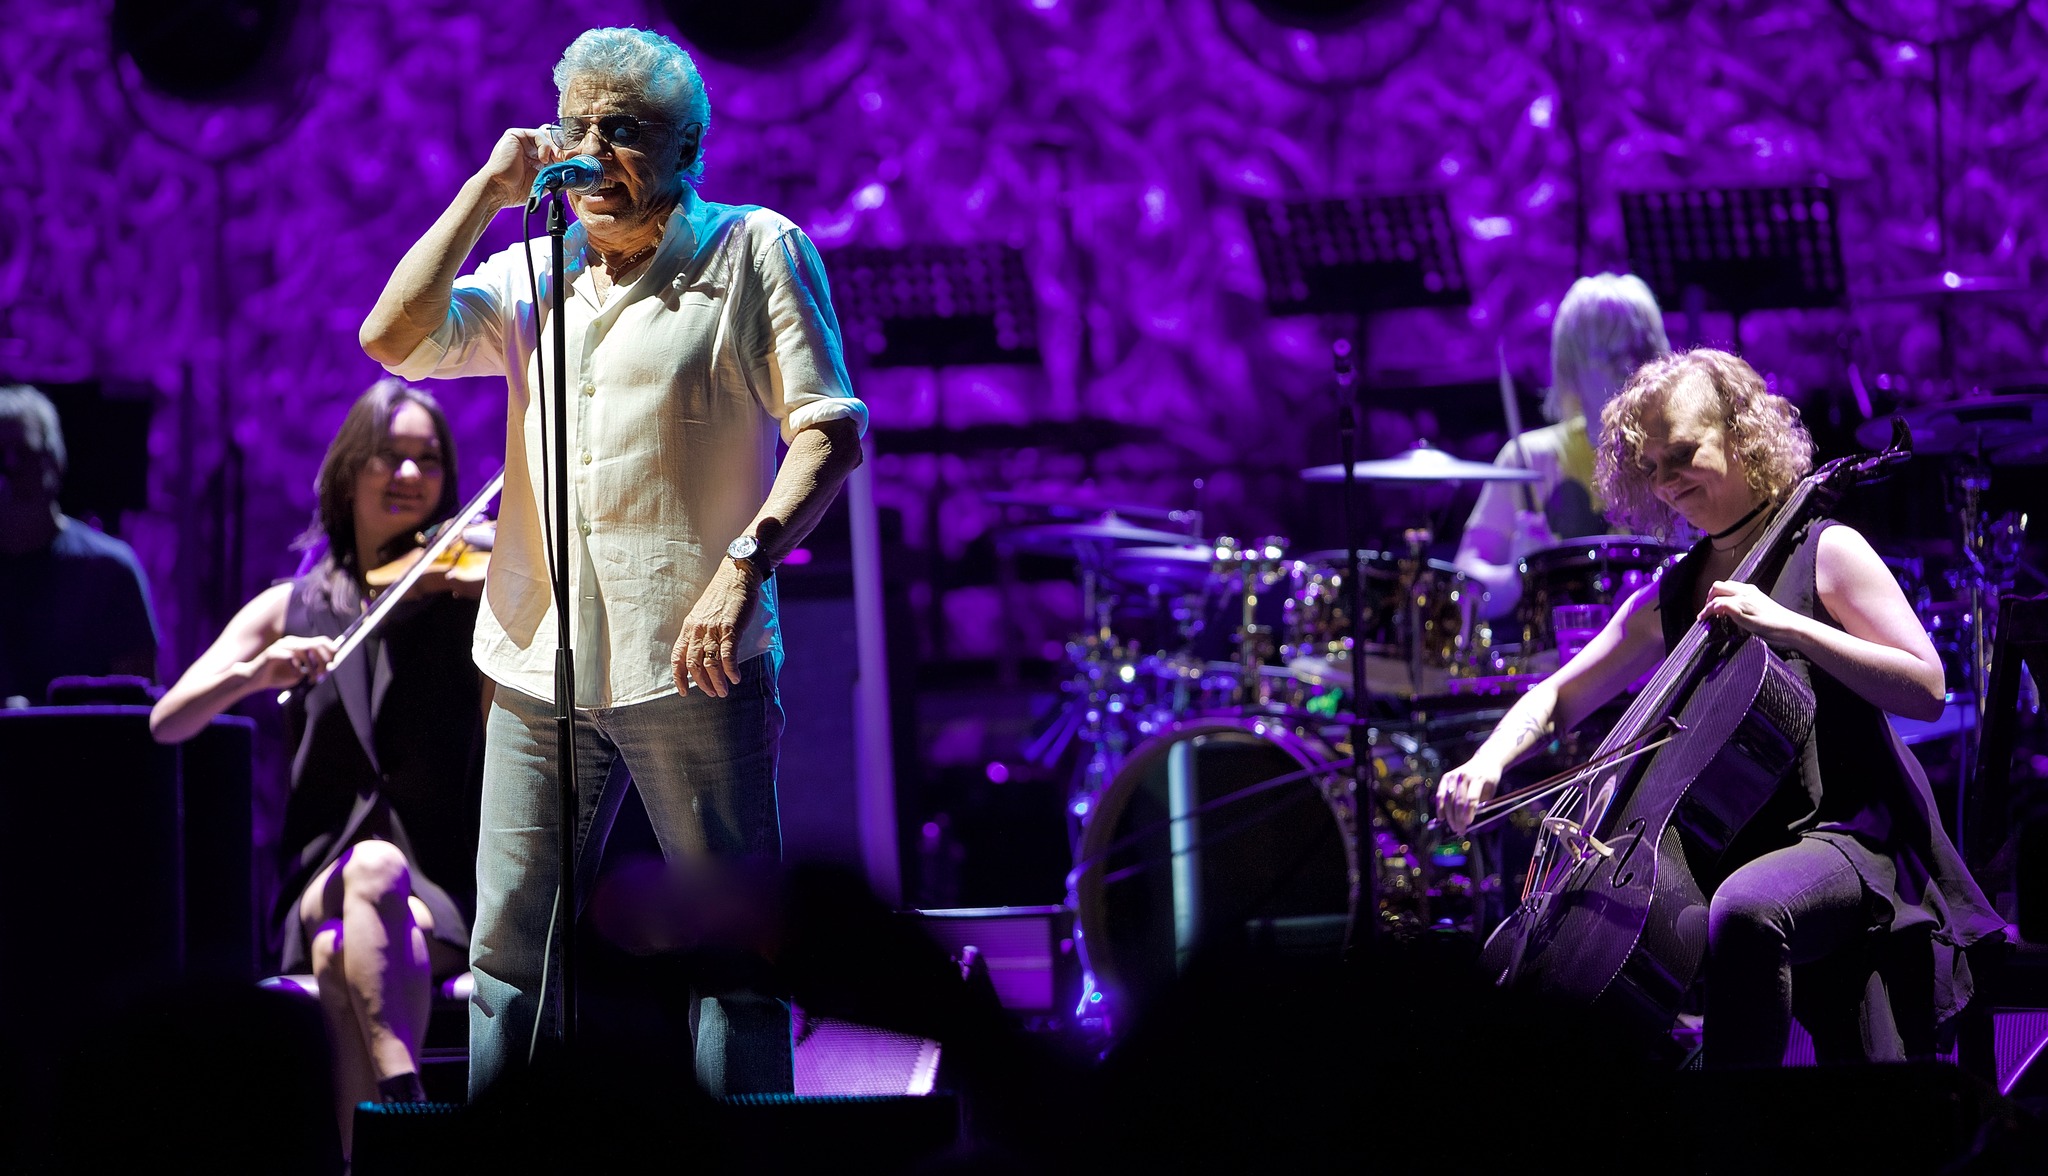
{"points": [[650, 65]]}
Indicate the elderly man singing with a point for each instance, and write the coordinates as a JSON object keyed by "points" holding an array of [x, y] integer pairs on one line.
{"points": [[694, 331]]}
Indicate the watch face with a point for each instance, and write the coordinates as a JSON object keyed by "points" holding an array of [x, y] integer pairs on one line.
{"points": [[743, 547]]}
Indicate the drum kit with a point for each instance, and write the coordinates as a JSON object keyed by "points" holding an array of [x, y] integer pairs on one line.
{"points": [[1213, 734], [1954, 581], [1209, 722]]}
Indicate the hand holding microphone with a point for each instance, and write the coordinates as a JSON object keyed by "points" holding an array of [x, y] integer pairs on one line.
{"points": [[578, 173], [525, 165]]}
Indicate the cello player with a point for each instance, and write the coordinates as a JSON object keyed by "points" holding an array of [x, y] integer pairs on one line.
{"points": [[1846, 879]]}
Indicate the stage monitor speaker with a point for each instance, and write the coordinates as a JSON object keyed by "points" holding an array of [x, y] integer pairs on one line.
{"points": [[835, 786], [1029, 951], [216, 769]]}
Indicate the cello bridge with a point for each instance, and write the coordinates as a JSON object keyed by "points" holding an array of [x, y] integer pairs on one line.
{"points": [[1581, 843]]}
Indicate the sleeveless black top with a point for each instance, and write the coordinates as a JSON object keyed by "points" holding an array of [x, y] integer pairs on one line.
{"points": [[390, 746], [1858, 788]]}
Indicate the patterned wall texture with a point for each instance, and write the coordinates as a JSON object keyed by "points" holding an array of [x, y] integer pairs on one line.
{"points": [[225, 252]]}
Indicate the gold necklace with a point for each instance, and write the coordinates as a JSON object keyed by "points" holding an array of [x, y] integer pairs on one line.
{"points": [[620, 266]]}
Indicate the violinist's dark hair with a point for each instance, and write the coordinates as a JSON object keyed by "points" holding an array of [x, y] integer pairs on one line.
{"points": [[330, 539]]}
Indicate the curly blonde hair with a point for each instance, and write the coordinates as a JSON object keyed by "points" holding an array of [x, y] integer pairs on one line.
{"points": [[1763, 434]]}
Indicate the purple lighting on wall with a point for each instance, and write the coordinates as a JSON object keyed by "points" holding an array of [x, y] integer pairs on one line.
{"points": [[224, 251]]}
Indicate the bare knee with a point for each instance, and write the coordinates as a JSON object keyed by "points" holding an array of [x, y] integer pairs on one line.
{"points": [[376, 872], [325, 947]]}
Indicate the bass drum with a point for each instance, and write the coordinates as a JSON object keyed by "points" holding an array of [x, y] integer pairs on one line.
{"points": [[1215, 831]]}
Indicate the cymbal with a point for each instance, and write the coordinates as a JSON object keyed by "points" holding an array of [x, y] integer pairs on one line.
{"points": [[1982, 424], [1423, 463], [1071, 504], [1162, 565], [1385, 677], [1108, 531], [1377, 564], [2033, 451]]}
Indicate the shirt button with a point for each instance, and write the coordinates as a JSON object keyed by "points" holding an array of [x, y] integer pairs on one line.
{"points": [[590, 389], [586, 459], [584, 527]]}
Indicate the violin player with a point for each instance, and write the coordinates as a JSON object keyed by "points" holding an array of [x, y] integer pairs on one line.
{"points": [[697, 334], [1846, 880], [379, 838]]}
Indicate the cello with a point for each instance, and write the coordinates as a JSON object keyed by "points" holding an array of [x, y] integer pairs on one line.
{"points": [[1613, 915]]}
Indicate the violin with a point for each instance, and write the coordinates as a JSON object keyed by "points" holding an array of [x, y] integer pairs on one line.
{"points": [[457, 552], [466, 561], [1614, 914]]}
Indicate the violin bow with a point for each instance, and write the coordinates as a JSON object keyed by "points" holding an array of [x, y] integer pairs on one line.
{"points": [[446, 537]]}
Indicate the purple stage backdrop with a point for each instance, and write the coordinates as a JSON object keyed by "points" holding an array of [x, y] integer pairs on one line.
{"points": [[224, 252]]}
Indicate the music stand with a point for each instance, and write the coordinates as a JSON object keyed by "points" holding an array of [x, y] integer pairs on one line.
{"points": [[936, 305], [1737, 249], [1357, 255]]}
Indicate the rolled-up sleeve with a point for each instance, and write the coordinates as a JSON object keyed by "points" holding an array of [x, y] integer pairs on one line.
{"points": [[801, 348], [471, 340]]}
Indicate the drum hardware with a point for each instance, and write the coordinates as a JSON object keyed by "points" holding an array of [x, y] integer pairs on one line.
{"points": [[1570, 590], [1407, 601], [1978, 434], [1247, 571], [1151, 881], [1170, 731], [1106, 690], [1068, 504], [1092, 541], [2001, 426], [1990, 550]]}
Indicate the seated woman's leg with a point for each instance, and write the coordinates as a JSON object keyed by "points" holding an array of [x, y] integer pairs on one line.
{"points": [[1791, 906], [354, 1078], [371, 935]]}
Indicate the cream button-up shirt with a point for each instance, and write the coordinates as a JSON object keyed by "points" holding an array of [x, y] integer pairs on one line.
{"points": [[677, 384]]}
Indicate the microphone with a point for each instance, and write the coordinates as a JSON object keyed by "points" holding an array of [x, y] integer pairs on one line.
{"points": [[578, 173]]}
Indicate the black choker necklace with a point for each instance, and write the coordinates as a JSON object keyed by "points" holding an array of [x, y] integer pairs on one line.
{"points": [[1742, 522]]}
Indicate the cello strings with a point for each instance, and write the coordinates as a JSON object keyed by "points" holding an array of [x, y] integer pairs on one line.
{"points": [[1659, 695]]}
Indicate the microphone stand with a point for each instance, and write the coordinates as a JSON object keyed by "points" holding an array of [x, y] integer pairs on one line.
{"points": [[565, 665]]}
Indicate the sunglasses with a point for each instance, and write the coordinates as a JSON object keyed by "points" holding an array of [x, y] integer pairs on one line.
{"points": [[619, 130]]}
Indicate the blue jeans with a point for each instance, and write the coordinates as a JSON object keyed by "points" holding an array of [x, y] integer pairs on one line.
{"points": [[705, 768], [1800, 907]]}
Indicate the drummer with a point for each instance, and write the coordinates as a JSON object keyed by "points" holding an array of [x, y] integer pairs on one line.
{"points": [[1607, 327]]}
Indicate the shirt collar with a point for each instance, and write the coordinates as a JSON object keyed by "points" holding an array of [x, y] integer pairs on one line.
{"points": [[678, 245], [681, 227]]}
